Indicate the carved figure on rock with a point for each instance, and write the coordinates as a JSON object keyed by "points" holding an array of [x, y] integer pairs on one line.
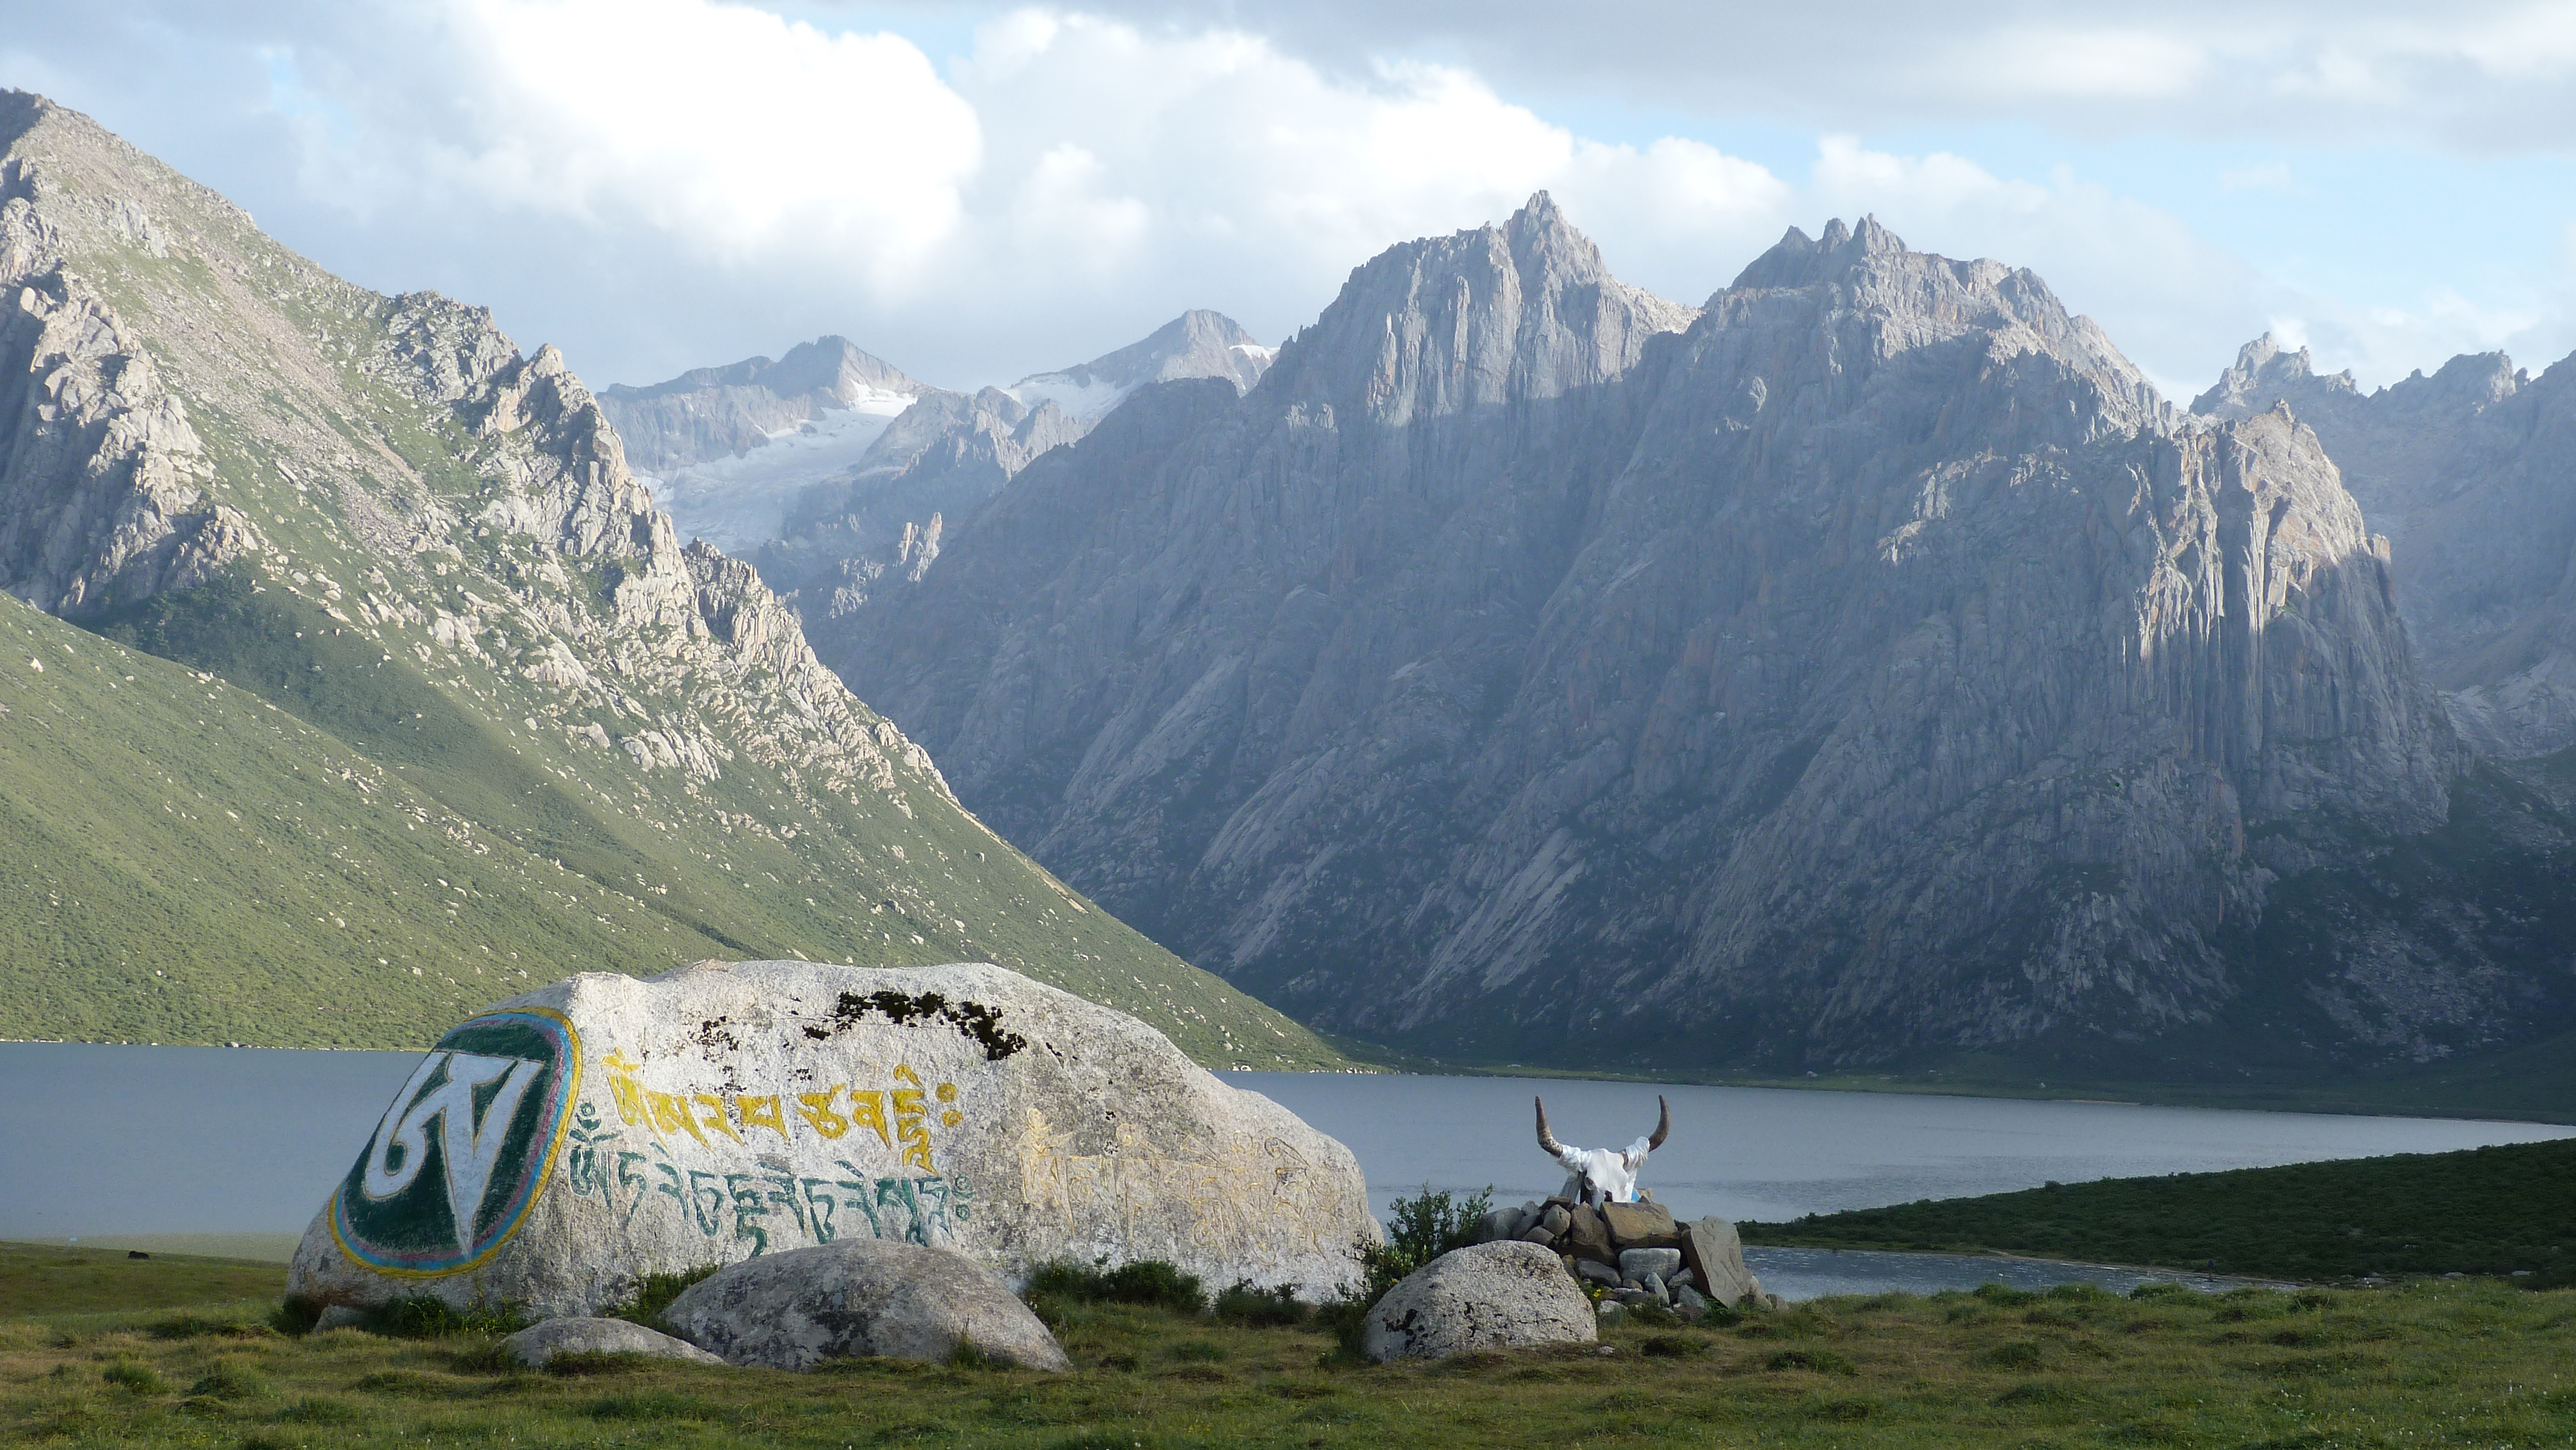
{"points": [[1604, 1175]]}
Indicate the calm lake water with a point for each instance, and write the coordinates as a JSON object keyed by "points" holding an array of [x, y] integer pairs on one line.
{"points": [[103, 1141]]}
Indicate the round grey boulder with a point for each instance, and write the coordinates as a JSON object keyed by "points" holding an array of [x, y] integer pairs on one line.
{"points": [[860, 1297], [1504, 1295], [538, 1343]]}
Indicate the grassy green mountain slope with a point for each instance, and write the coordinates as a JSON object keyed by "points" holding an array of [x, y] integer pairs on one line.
{"points": [[2499, 1210], [424, 694]]}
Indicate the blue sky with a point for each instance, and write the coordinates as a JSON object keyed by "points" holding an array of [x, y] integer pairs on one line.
{"points": [[979, 191]]}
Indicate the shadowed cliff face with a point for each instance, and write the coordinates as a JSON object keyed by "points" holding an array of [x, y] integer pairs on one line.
{"points": [[2468, 473], [1867, 664]]}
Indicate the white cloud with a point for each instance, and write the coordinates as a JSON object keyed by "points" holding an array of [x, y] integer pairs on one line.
{"points": [[747, 135], [2124, 64], [2479, 76], [2382, 343], [656, 184]]}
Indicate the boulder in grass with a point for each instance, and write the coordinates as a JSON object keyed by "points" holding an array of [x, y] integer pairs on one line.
{"points": [[556, 1149], [1503, 1295], [859, 1298], [538, 1343], [1716, 1259]]}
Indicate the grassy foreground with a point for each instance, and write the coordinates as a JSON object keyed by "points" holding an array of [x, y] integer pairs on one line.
{"points": [[2464, 1363], [2497, 1210]]}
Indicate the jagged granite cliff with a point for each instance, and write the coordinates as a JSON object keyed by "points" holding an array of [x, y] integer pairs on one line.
{"points": [[2472, 474], [377, 626], [1867, 664], [849, 536]]}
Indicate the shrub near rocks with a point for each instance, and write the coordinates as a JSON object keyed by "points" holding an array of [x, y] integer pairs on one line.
{"points": [[1419, 1230], [1145, 1281]]}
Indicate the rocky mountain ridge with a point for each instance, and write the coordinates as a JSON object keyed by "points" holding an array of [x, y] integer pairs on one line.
{"points": [[376, 517], [728, 449], [1867, 664], [880, 523], [1196, 344], [2467, 472]]}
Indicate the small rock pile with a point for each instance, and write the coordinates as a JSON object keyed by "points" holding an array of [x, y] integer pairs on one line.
{"points": [[1634, 1254]]}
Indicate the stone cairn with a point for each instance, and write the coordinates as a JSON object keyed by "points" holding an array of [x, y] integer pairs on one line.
{"points": [[1635, 1255]]}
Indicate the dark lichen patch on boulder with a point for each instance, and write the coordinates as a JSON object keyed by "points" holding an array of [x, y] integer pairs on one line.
{"points": [[976, 1022]]}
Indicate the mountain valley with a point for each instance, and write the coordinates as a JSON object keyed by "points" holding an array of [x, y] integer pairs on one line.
{"points": [[1865, 670], [362, 675]]}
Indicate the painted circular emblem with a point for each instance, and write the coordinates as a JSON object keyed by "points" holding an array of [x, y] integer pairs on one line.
{"points": [[461, 1154]]}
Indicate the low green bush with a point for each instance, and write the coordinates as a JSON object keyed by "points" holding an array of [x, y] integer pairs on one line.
{"points": [[1150, 1282], [1418, 1230], [654, 1293], [488, 1356], [1253, 1308], [137, 1378], [233, 1382], [425, 1316]]}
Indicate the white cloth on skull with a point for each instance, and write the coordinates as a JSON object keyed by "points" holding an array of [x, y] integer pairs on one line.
{"points": [[1607, 1175]]}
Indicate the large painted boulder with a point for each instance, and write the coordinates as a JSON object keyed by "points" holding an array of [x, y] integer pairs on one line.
{"points": [[554, 1149]]}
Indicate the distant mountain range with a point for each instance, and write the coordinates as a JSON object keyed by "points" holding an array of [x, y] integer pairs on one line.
{"points": [[359, 683], [1864, 670], [1867, 667], [833, 469]]}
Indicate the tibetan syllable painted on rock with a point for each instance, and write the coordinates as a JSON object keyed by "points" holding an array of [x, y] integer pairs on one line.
{"points": [[556, 1148]]}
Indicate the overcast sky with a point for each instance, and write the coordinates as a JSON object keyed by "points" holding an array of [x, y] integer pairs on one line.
{"points": [[975, 192]]}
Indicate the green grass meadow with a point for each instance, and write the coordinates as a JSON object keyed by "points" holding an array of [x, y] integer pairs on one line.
{"points": [[186, 856], [176, 1353]]}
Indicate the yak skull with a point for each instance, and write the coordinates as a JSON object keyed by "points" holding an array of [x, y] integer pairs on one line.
{"points": [[1603, 1175]]}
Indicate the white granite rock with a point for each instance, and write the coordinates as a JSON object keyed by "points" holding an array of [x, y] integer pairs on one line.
{"points": [[556, 1148], [860, 1297], [1502, 1295], [538, 1343]]}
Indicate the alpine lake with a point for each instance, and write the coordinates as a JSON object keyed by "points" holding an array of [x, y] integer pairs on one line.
{"points": [[229, 1152]]}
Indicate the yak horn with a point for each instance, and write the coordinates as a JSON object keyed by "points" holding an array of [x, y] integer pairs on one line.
{"points": [[1546, 1140], [1663, 1125]]}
